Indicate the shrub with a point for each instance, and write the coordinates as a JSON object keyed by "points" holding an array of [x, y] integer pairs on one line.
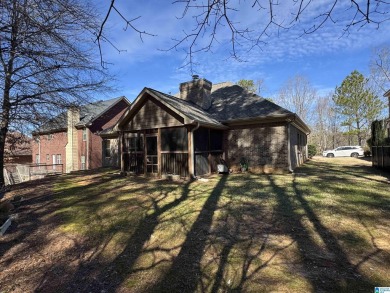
{"points": [[312, 150]]}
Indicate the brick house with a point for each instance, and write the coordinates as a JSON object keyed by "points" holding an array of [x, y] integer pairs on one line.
{"points": [[72, 138], [190, 135], [17, 149]]}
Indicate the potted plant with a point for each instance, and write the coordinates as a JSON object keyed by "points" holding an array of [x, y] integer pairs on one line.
{"points": [[244, 164]]}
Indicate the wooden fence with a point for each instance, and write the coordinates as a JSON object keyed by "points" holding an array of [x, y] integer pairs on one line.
{"points": [[381, 156]]}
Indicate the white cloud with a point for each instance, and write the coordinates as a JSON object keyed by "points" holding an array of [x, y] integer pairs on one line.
{"points": [[290, 47]]}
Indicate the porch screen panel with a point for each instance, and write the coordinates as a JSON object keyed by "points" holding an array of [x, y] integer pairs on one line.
{"points": [[201, 164], [133, 153], [174, 139], [201, 139], [216, 140]]}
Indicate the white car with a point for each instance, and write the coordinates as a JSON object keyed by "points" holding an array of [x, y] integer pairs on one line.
{"points": [[345, 151]]}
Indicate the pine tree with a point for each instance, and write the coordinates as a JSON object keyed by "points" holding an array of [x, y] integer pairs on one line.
{"points": [[357, 104]]}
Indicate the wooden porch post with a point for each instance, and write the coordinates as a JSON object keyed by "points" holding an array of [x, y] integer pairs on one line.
{"points": [[190, 153], [159, 152], [122, 150]]}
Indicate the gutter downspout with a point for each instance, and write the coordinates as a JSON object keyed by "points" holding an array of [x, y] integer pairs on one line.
{"points": [[289, 147], [39, 149], [87, 134], [193, 150]]}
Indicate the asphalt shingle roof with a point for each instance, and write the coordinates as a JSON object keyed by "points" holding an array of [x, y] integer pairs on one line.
{"points": [[87, 114], [191, 110], [234, 102], [228, 102]]}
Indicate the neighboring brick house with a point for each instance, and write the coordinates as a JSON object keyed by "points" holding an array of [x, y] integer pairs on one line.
{"points": [[187, 136], [17, 149], [72, 138]]}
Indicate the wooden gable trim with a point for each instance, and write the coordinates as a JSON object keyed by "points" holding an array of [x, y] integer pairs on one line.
{"points": [[140, 101], [175, 115]]}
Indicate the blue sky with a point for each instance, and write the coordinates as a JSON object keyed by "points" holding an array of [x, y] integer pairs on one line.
{"points": [[325, 57]]}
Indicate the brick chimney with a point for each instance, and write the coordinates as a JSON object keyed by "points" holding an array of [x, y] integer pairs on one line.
{"points": [[197, 91]]}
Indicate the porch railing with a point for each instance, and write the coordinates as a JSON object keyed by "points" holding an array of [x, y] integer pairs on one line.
{"points": [[174, 164], [14, 174]]}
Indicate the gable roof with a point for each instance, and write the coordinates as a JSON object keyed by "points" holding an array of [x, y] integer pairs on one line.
{"points": [[91, 112], [191, 113], [229, 104], [88, 113]]}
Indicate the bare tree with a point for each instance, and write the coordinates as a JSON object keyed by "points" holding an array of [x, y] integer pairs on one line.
{"points": [[45, 61], [380, 68], [298, 96], [216, 19], [326, 132]]}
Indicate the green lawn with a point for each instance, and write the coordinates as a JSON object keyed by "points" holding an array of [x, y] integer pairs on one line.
{"points": [[325, 228]]}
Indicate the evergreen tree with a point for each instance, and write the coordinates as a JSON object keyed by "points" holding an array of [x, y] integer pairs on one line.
{"points": [[357, 104], [248, 84]]}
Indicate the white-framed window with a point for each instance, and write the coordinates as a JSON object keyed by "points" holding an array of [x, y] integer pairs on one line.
{"points": [[84, 134], [59, 161], [82, 160]]}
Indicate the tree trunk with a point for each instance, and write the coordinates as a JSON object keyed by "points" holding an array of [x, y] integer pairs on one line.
{"points": [[6, 106], [4, 127]]}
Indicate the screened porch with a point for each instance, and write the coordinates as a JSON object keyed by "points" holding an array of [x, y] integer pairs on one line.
{"points": [[168, 151]]}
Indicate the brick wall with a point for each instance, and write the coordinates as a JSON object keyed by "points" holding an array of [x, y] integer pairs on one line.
{"points": [[92, 148], [264, 146], [95, 147], [109, 118], [49, 145]]}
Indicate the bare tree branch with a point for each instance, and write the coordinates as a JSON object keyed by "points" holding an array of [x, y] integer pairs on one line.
{"points": [[212, 18], [129, 23]]}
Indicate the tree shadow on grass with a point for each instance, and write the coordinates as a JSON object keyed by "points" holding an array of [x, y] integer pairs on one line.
{"points": [[358, 171], [327, 267], [185, 272], [27, 216], [113, 274]]}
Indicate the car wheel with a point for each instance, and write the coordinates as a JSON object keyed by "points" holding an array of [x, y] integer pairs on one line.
{"points": [[330, 155], [355, 155]]}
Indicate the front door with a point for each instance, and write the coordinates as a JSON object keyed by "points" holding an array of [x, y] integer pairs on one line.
{"points": [[151, 155]]}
